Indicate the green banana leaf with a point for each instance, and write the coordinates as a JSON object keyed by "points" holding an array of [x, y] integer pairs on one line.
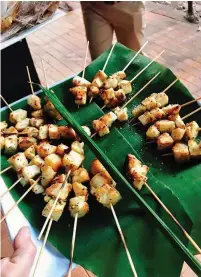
{"points": [[98, 245]]}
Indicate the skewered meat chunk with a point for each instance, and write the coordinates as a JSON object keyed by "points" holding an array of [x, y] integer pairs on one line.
{"points": [[93, 91], [62, 149], [31, 131], [122, 114], [161, 98], [44, 149], [57, 211], [150, 103], [54, 161], [152, 132], [99, 79], [107, 95], [80, 94], [126, 86], [146, 118], [120, 95], [27, 173], [47, 175], [67, 132], [3, 125], [100, 179], [54, 132], [177, 119], [181, 152], [37, 160], [43, 132], [17, 115], [192, 129], [110, 82], [165, 125], [73, 160], [194, 149], [96, 167], [100, 127], [51, 111], [30, 152], [164, 141], [26, 142], [37, 189], [80, 190], [178, 134], [36, 122], [78, 205], [78, 147], [80, 175], [11, 144], [137, 111], [119, 75], [157, 114], [34, 101], [2, 142], [18, 161], [107, 195], [79, 81], [21, 125], [171, 109], [87, 130], [11, 130], [38, 114], [109, 118]]}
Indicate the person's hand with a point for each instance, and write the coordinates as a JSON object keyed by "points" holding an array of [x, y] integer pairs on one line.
{"points": [[19, 265]]}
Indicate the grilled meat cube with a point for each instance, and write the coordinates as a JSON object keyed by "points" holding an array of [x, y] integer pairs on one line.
{"points": [[80, 190], [100, 127], [57, 211], [110, 82], [126, 86], [109, 118], [100, 179], [119, 75], [177, 119], [120, 95], [51, 111], [26, 142], [194, 149], [67, 132], [137, 111], [44, 149], [37, 160], [47, 175], [53, 190], [36, 122], [37, 189], [10, 145], [122, 114], [165, 126], [38, 114], [54, 161], [181, 152], [2, 142], [80, 81], [93, 91], [192, 129], [78, 147], [18, 161], [27, 173], [54, 132], [43, 132], [87, 130], [152, 132], [17, 115], [157, 114], [99, 79], [31, 131], [3, 125], [9, 131], [178, 134], [146, 118], [73, 160], [21, 125], [30, 152], [62, 149], [164, 141], [161, 98], [78, 205], [107, 94], [80, 175], [107, 195], [97, 167], [171, 109], [150, 103], [34, 101], [80, 94]]}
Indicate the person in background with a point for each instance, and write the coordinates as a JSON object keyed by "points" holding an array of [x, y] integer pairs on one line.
{"points": [[102, 19], [20, 264]]}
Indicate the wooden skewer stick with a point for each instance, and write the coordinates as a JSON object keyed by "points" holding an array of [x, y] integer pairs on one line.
{"points": [[170, 85], [195, 111], [174, 219], [72, 245], [85, 60], [52, 209], [11, 187], [6, 103], [30, 82], [190, 102], [44, 73], [5, 169], [147, 66], [140, 90], [104, 67], [124, 242], [167, 154], [135, 56], [21, 198], [43, 246]]}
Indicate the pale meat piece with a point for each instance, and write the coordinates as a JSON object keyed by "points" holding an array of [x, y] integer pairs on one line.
{"points": [[44, 149], [80, 175], [107, 94], [119, 75], [43, 132], [194, 149], [37, 189], [34, 101], [36, 122], [107, 195], [10, 131], [37, 160], [157, 114], [100, 179], [100, 127], [73, 160], [67, 132], [152, 132], [150, 103], [51, 111], [54, 161], [27, 173], [26, 142], [80, 190], [30, 152], [99, 79], [53, 190], [21, 125], [165, 125], [109, 118], [171, 109], [38, 114], [110, 82], [126, 86], [87, 130], [97, 167], [80, 94], [192, 129], [178, 134], [93, 91], [57, 211], [122, 114], [53, 131], [47, 175], [177, 119], [2, 142], [17, 115], [161, 98], [31, 132], [181, 152], [121, 96], [78, 205], [164, 141], [18, 161], [137, 111], [78, 147], [80, 81], [146, 118], [11, 144], [62, 149], [3, 125]]}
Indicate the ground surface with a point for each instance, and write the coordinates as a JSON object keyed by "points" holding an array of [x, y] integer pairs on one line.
{"points": [[62, 47]]}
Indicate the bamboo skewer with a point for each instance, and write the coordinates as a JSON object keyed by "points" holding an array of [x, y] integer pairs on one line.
{"points": [[104, 67], [19, 200], [6, 103], [10, 187], [170, 85], [44, 73], [43, 246], [30, 82], [124, 242], [5, 169], [195, 111], [72, 245], [174, 219], [85, 60], [190, 102]]}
